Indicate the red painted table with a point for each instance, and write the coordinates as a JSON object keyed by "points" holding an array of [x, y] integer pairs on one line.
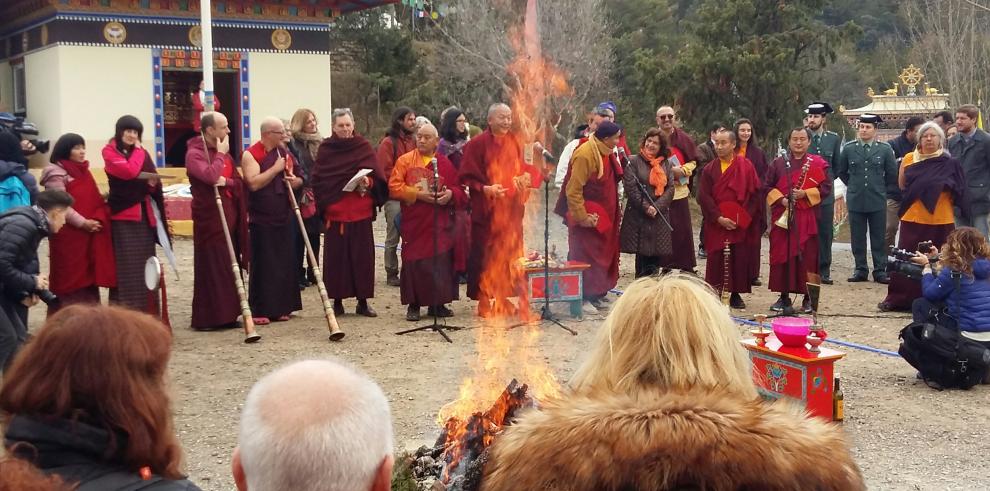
{"points": [[796, 373], [566, 285]]}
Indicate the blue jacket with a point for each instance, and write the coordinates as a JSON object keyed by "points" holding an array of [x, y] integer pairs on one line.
{"points": [[971, 306]]}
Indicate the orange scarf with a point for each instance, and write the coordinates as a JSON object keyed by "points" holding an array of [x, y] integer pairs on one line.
{"points": [[658, 178]]}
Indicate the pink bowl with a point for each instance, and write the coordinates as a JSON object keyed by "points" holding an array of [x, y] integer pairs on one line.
{"points": [[792, 331]]}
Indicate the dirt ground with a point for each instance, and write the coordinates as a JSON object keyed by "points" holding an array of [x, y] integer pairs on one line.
{"points": [[904, 435]]}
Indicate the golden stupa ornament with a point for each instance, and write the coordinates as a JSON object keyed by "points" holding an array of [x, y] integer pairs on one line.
{"points": [[911, 77]]}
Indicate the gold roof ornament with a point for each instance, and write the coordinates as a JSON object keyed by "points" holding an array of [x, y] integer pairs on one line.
{"points": [[870, 93], [911, 77]]}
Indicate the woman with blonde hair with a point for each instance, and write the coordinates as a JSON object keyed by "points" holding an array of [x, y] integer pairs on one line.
{"points": [[304, 143], [666, 400]]}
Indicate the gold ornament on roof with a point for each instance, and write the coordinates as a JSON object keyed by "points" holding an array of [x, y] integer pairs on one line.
{"points": [[911, 77], [870, 92]]}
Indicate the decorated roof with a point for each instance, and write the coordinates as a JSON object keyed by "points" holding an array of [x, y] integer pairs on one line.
{"points": [[903, 98]]}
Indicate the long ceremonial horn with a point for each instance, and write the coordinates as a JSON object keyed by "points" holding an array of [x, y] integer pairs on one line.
{"points": [[250, 335], [335, 333]]}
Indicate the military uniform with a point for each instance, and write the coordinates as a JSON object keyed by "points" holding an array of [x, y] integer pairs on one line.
{"points": [[828, 145], [869, 171]]}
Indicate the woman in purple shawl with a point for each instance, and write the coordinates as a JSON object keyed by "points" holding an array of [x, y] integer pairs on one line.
{"points": [[932, 183], [453, 136]]}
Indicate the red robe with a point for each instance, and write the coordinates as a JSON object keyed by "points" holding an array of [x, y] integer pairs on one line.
{"points": [[738, 184], [496, 225], [599, 248], [215, 300], [199, 106], [802, 256]]}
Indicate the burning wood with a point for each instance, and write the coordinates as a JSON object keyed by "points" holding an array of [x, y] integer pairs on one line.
{"points": [[457, 458]]}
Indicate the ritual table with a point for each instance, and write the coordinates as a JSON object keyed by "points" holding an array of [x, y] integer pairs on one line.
{"points": [[566, 285], [796, 373]]}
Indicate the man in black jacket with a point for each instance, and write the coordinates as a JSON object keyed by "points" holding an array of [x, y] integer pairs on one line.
{"points": [[971, 146], [902, 146], [21, 230]]}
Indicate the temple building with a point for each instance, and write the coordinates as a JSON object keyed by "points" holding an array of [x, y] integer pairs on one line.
{"points": [[78, 65], [895, 105]]}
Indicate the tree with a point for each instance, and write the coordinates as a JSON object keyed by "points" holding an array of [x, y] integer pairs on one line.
{"points": [[760, 59]]}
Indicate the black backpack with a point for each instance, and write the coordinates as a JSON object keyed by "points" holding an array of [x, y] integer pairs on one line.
{"points": [[941, 354]]}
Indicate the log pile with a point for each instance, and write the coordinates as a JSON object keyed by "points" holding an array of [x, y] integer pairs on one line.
{"points": [[456, 461]]}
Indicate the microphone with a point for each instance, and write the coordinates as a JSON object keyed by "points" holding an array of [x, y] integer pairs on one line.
{"points": [[436, 175], [623, 156], [549, 156]]}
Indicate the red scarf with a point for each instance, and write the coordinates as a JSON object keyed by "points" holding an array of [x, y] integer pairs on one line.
{"points": [[75, 170]]}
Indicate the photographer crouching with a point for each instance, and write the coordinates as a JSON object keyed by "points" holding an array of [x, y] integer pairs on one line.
{"points": [[21, 283]]}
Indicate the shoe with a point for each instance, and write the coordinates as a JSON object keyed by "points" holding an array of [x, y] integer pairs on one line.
{"points": [[412, 313], [701, 253], [780, 304], [598, 304], [604, 299], [827, 281], [261, 321], [588, 309], [857, 278], [882, 279], [364, 309], [338, 307], [736, 302], [221, 327], [885, 307], [303, 284], [756, 282], [806, 305], [392, 280], [311, 277], [283, 318], [462, 279], [441, 311]]}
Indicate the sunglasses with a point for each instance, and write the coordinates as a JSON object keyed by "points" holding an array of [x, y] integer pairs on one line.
{"points": [[665, 116]]}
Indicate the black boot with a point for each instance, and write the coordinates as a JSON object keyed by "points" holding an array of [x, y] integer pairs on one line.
{"points": [[412, 313], [364, 309], [736, 301], [338, 306]]}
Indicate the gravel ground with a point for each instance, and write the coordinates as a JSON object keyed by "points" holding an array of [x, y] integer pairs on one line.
{"points": [[903, 434]]}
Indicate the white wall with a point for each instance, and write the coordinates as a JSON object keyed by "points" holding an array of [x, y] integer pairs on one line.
{"points": [[282, 83], [6, 87], [84, 89]]}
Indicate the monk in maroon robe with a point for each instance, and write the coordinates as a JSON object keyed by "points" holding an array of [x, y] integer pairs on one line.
{"points": [[427, 227], [274, 283], [499, 182], [215, 302], [684, 150], [794, 250], [729, 196], [348, 244], [590, 207]]}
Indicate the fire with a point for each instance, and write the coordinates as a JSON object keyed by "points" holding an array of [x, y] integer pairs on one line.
{"points": [[481, 407]]}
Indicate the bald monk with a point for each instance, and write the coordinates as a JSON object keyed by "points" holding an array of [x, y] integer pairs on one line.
{"points": [[498, 180], [427, 226], [274, 287]]}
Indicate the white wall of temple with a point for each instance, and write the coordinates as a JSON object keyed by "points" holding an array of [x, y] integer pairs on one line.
{"points": [[281, 83], [6, 87], [84, 89]]}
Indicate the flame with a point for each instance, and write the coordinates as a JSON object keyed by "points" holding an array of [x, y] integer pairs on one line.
{"points": [[500, 358]]}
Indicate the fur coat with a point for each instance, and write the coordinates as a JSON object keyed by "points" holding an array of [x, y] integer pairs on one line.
{"points": [[655, 441]]}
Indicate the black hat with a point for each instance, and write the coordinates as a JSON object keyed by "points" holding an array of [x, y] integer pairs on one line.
{"points": [[607, 129], [871, 119], [818, 108]]}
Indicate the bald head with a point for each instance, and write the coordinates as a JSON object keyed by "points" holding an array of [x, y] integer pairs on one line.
{"points": [[314, 425], [272, 130], [427, 140], [499, 118]]}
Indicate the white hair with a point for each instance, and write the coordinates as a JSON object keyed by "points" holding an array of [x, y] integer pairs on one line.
{"points": [[270, 122], [339, 113], [931, 126], [497, 107], [314, 425]]}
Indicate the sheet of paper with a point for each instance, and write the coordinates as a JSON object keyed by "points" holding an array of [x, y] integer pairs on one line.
{"points": [[353, 183]]}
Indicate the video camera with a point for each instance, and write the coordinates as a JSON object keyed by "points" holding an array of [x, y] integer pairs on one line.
{"points": [[24, 131], [900, 260]]}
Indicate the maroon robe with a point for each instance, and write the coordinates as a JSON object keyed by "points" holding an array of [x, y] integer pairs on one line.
{"points": [[589, 245], [215, 300], [428, 276], [739, 184], [682, 235], [496, 225], [759, 160], [801, 257]]}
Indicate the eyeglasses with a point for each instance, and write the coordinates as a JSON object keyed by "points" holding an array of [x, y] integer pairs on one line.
{"points": [[282, 132], [665, 116]]}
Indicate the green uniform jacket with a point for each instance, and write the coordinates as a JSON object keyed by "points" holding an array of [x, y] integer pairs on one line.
{"points": [[870, 176], [828, 147]]}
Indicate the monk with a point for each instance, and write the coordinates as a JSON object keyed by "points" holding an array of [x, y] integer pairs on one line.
{"points": [[499, 182], [427, 226], [803, 177], [215, 303], [729, 196], [274, 288], [590, 207], [349, 245], [684, 150]]}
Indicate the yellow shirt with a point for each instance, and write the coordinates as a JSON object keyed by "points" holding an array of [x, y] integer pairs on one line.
{"points": [[725, 164], [917, 213]]}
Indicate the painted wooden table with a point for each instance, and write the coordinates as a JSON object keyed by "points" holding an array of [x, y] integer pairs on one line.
{"points": [[796, 373], [566, 285]]}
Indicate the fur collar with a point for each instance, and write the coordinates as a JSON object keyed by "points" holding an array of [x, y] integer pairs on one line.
{"points": [[654, 441]]}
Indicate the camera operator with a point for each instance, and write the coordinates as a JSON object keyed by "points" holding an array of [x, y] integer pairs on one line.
{"points": [[21, 283], [966, 253]]}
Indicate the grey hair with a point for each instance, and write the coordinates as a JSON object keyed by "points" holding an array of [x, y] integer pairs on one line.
{"points": [[497, 106], [343, 111], [314, 425], [269, 122], [931, 125]]}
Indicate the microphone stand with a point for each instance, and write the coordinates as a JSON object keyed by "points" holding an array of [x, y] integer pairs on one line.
{"points": [[787, 306], [546, 314], [435, 326]]}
